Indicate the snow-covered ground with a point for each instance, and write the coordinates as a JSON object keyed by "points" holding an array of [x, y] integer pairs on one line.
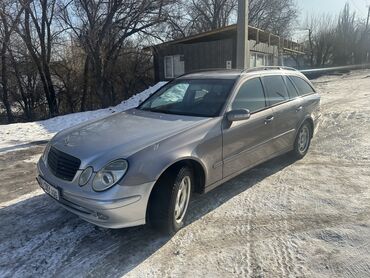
{"points": [[284, 218], [17, 135]]}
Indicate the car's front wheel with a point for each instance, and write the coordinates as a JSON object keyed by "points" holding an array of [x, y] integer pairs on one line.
{"points": [[170, 200]]}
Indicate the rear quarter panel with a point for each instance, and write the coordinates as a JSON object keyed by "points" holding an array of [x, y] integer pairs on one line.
{"points": [[311, 104]]}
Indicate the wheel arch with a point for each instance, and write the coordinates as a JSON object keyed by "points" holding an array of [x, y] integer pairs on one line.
{"points": [[310, 121], [197, 167], [199, 175]]}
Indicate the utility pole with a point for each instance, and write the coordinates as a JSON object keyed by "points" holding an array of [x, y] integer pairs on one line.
{"points": [[367, 34], [242, 42]]}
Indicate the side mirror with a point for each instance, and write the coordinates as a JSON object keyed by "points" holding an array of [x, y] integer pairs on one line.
{"points": [[238, 115]]}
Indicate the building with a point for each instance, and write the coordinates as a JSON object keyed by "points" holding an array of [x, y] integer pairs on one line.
{"points": [[217, 49]]}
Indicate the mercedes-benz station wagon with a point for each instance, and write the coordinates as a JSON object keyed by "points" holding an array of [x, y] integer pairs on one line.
{"points": [[193, 134]]}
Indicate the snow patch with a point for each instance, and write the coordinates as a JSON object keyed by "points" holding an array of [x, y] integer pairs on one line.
{"points": [[33, 159], [23, 133], [24, 197]]}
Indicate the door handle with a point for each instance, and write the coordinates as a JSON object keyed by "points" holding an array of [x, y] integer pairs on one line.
{"points": [[300, 108], [269, 119]]}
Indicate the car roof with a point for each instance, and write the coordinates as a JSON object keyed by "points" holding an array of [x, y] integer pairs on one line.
{"points": [[234, 73]]}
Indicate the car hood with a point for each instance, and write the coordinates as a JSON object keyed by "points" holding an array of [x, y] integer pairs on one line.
{"points": [[121, 135]]}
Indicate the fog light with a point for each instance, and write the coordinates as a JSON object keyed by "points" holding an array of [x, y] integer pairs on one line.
{"points": [[101, 216]]}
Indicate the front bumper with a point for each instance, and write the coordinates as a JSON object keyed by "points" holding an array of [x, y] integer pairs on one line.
{"points": [[124, 207]]}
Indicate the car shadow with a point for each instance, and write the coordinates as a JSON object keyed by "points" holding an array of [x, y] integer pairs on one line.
{"points": [[40, 238]]}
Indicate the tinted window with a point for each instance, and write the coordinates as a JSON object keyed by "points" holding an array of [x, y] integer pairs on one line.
{"points": [[275, 89], [303, 87], [250, 96], [198, 97], [291, 89]]}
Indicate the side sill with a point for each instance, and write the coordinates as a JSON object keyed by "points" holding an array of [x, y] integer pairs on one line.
{"points": [[225, 179]]}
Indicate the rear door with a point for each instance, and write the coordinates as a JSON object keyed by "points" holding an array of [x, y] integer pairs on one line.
{"points": [[309, 97], [287, 108], [247, 142]]}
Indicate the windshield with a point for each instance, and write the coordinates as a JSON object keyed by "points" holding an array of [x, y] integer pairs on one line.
{"points": [[197, 97]]}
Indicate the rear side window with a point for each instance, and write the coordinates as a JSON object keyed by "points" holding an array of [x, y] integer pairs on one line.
{"points": [[276, 90], [250, 96], [291, 89], [303, 87]]}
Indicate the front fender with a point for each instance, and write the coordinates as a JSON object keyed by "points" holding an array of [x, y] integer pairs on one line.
{"points": [[201, 144], [150, 164]]}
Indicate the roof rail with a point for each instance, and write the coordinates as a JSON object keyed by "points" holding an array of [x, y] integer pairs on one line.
{"points": [[203, 70], [268, 68], [241, 71]]}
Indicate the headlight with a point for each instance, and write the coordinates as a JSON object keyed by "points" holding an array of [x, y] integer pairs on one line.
{"points": [[110, 175], [45, 154], [85, 176]]}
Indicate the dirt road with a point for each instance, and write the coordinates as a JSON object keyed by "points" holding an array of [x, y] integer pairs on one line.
{"points": [[309, 218]]}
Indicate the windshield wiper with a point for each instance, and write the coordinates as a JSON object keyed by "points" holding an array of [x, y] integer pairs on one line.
{"points": [[157, 110], [182, 113]]}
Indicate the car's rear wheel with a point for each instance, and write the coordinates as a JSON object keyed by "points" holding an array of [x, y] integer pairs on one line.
{"points": [[170, 200], [302, 141]]}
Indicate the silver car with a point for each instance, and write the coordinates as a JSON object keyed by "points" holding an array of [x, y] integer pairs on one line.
{"points": [[198, 131]]}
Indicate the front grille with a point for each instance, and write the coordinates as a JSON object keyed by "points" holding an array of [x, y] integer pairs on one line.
{"points": [[62, 165]]}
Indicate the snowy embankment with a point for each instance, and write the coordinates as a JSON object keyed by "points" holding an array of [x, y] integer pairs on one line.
{"points": [[13, 136]]}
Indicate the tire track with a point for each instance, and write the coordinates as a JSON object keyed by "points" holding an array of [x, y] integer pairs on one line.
{"points": [[285, 242], [296, 269], [351, 264], [245, 269]]}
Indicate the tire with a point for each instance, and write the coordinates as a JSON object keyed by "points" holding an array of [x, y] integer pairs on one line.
{"points": [[302, 141], [173, 188]]}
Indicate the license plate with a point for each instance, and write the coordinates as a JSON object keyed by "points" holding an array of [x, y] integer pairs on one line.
{"points": [[49, 189]]}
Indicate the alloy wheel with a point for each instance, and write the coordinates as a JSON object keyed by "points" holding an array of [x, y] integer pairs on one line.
{"points": [[182, 199]]}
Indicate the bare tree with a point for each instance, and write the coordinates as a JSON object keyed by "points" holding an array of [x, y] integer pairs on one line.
{"points": [[321, 39], [189, 17], [25, 80], [276, 16], [210, 14], [38, 34], [60, 56], [103, 28], [346, 37], [68, 72], [8, 23], [362, 50], [341, 41]]}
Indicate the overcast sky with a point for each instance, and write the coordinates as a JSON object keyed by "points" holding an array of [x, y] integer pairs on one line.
{"points": [[331, 6]]}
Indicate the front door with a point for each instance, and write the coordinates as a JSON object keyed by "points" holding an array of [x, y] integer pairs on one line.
{"points": [[247, 142]]}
